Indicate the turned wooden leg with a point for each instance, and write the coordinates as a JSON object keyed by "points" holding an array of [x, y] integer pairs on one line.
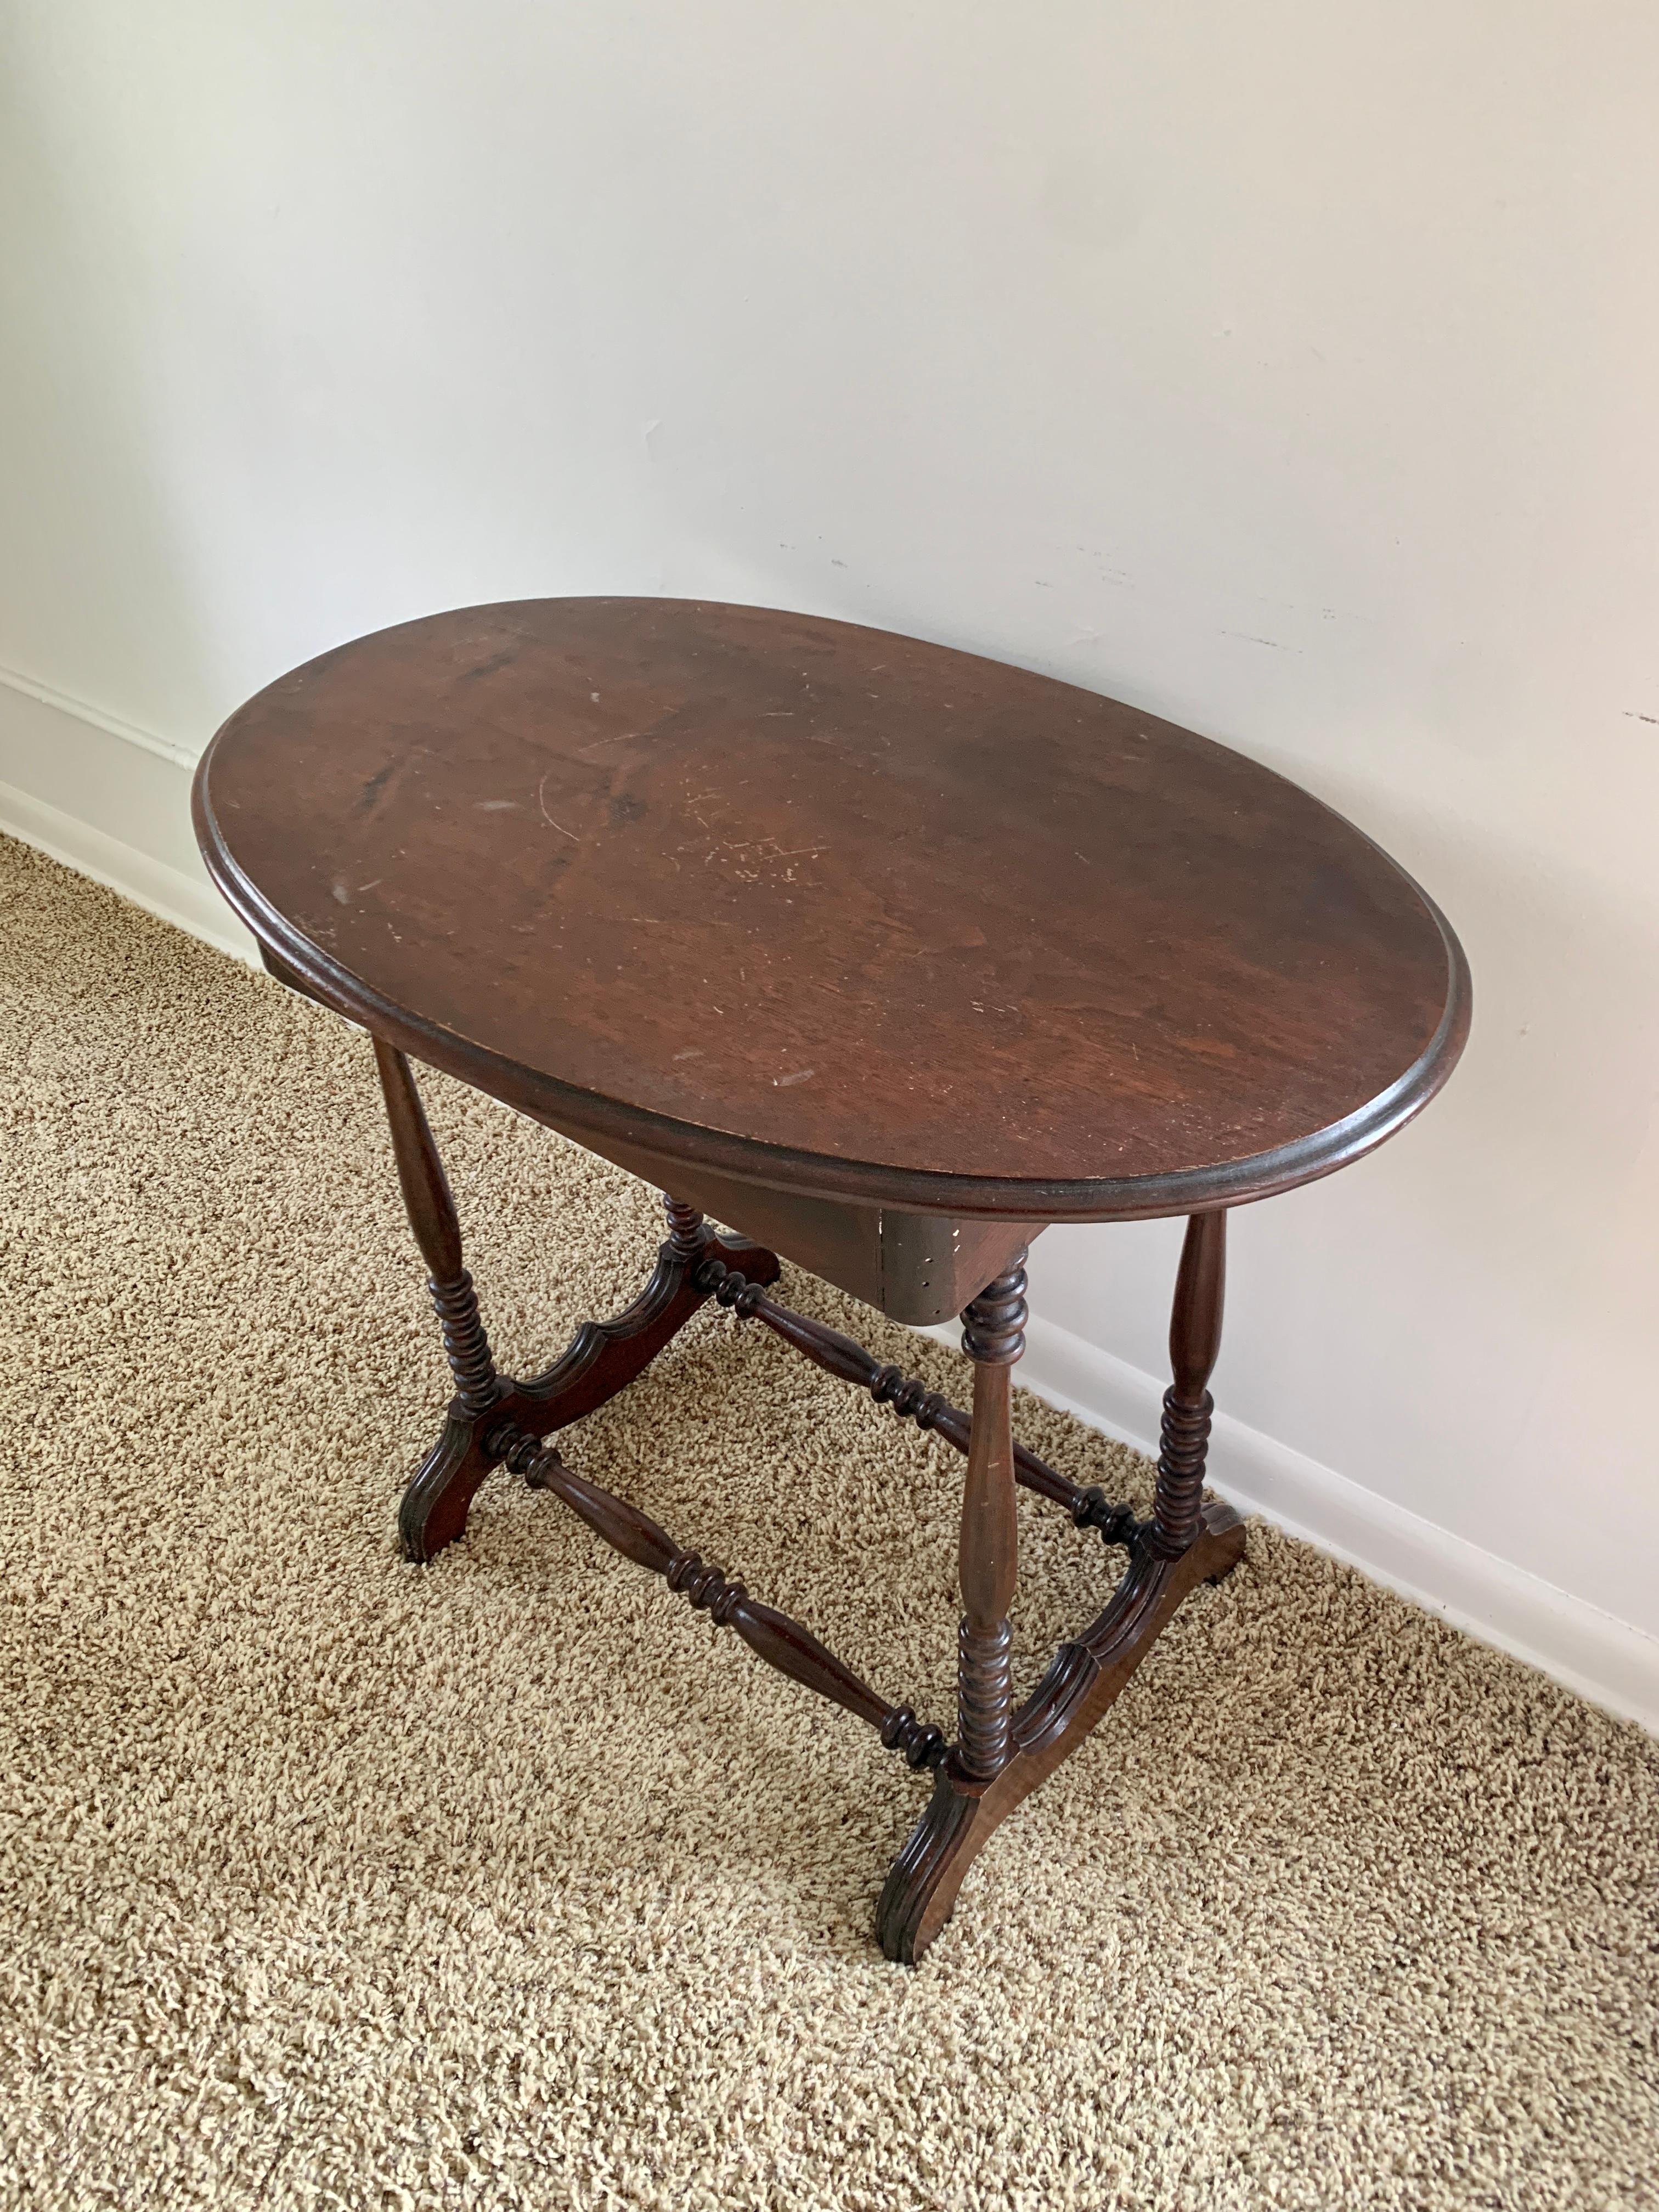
{"points": [[602, 1358], [1194, 1345], [431, 1212], [1186, 1543], [993, 1337], [442, 1490]]}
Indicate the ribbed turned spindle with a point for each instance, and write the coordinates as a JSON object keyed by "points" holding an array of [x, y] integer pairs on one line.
{"points": [[1194, 1346], [771, 1635], [993, 1336], [687, 1230], [993, 1326], [466, 1346], [431, 1212]]}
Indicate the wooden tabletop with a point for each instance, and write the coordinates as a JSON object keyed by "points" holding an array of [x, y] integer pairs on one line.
{"points": [[832, 908]]}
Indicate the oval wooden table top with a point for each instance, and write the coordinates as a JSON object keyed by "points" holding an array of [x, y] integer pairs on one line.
{"points": [[831, 909]]}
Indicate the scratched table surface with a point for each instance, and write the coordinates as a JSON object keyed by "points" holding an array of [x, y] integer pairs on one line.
{"points": [[829, 903]]}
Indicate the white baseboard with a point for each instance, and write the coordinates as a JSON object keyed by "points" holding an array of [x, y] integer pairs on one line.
{"points": [[156, 885], [112, 801], [1601, 1658], [96, 718], [1575, 1642]]}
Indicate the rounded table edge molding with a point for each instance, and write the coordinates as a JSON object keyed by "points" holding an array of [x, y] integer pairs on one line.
{"points": [[580, 1114]]}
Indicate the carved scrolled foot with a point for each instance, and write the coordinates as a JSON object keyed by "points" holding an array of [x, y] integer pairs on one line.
{"points": [[1084, 1679], [434, 1506], [905, 1926]]}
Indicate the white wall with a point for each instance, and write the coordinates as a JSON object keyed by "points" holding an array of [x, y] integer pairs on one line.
{"points": [[1289, 369]]}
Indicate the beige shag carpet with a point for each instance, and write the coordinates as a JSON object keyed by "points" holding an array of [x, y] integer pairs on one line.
{"points": [[329, 1880]]}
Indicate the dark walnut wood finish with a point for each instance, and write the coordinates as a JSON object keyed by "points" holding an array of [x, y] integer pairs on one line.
{"points": [[885, 955]]}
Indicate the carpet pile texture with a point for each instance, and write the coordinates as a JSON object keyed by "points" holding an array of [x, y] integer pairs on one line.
{"points": [[329, 1880]]}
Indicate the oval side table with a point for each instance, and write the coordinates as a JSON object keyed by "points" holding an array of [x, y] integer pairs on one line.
{"points": [[886, 956]]}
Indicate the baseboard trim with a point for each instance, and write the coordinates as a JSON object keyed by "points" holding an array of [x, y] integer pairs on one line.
{"points": [[1575, 1642], [111, 724], [156, 885]]}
